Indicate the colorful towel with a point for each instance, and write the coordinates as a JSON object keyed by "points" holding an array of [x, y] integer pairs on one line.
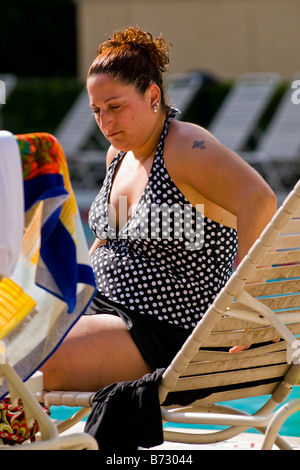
{"points": [[53, 282]]}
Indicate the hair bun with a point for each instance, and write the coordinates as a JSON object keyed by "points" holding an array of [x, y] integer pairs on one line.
{"points": [[134, 38]]}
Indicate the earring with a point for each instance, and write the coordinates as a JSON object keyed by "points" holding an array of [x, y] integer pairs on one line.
{"points": [[155, 107]]}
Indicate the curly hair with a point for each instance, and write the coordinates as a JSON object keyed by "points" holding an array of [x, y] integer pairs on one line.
{"points": [[134, 57]]}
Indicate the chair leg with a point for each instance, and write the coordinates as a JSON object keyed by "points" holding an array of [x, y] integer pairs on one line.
{"points": [[49, 438], [74, 419], [277, 421]]}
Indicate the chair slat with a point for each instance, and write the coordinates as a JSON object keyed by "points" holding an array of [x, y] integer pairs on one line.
{"points": [[275, 272], [238, 362], [230, 378], [215, 356], [283, 302], [296, 213], [273, 288], [277, 303], [286, 241], [280, 257], [293, 226], [290, 317], [232, 323], [253, 336]]}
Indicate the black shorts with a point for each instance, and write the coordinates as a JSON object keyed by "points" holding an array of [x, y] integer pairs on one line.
{"points": [[157, 340]]}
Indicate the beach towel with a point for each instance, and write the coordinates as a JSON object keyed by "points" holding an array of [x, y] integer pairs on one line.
{"points": [[52, 283]]}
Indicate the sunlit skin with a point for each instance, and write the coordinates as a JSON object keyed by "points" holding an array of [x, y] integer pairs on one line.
{"points": [[99, 350]]}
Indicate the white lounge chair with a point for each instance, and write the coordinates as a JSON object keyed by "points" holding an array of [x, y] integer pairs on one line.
{"points": [[182, 89], [237, 118], [260, 303], [278, 151]]}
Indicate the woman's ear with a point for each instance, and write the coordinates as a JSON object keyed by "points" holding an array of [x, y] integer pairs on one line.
{"points": [[154, 94]]}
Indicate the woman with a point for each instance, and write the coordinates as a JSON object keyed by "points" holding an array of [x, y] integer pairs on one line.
{"points": [[167, 219]]}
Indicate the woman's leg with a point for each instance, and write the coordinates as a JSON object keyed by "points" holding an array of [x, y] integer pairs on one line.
{"points": [[97, 351]]}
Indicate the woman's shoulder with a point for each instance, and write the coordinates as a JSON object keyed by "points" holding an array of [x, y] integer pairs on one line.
{"points": [[185, 138], [195, 157]]}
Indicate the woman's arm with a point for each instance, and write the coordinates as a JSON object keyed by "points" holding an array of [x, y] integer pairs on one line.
{"points": [[204, 167], [96, 245], [111, 154]]}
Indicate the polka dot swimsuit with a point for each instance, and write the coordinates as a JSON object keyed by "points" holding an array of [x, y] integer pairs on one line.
{"points": [[168, 260]]}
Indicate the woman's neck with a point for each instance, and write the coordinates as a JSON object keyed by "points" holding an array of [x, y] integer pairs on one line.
{"points": [[148, 150]]}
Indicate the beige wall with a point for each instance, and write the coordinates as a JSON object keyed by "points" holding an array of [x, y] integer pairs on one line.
{"points": [[226, 37]]}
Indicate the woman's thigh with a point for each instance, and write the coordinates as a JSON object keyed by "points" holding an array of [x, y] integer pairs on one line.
{"points": [[97, 351]]}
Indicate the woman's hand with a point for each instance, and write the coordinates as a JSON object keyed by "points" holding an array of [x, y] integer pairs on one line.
{"points": [[237, 349]]}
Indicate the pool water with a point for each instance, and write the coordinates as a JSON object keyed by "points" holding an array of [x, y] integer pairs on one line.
{"points": [[290, 428]]}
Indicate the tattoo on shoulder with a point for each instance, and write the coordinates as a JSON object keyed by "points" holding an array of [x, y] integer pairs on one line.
{"points": [[199, 144]]}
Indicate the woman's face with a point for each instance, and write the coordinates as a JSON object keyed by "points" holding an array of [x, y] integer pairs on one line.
{"points": [[124, 115]]}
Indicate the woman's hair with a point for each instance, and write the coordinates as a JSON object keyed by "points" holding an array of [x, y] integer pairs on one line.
{"points": [[134, 57]]}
